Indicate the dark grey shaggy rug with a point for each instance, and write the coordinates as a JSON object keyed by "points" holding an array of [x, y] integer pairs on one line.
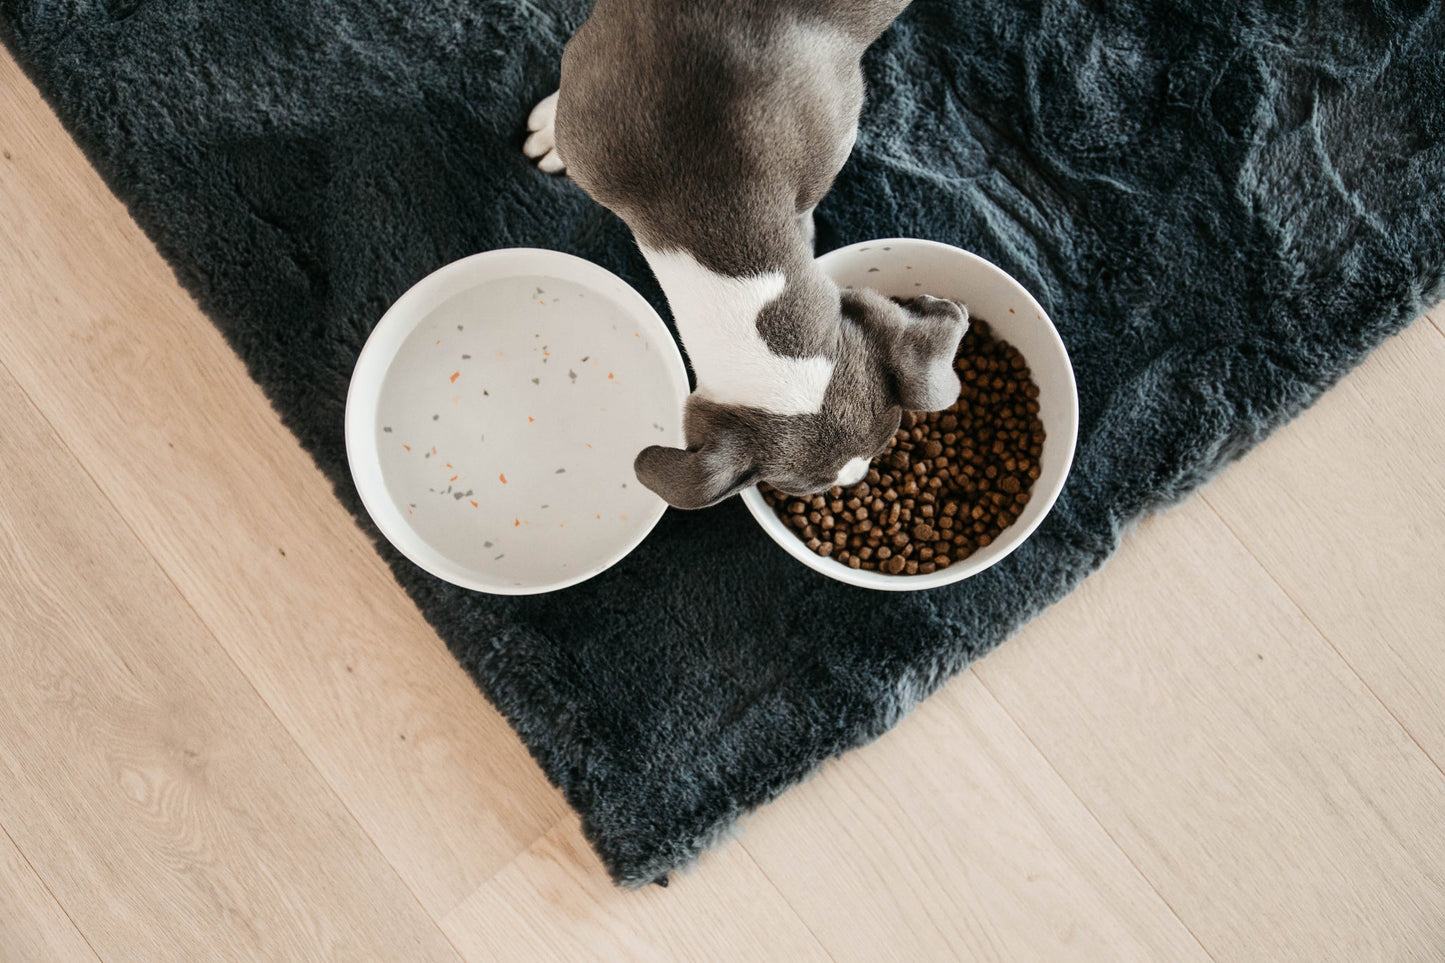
{"points": [[1224, 205]]}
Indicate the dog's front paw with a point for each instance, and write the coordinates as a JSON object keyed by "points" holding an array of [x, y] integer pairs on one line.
{"points": [[541, 145]]}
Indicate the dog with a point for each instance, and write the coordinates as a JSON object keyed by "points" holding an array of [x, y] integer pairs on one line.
{"points": [[713, 128]]}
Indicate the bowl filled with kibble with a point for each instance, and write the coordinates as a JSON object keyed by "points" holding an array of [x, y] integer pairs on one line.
{"points": [[957, 490]]}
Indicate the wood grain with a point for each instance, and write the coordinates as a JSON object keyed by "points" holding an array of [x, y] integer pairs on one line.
{"points": [[33, 927], [140, 770], [1346, 510], [161, 412], [951, 838], [1235, 758], [554, 903]]}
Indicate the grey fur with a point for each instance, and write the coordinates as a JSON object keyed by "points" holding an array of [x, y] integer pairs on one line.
{"points": [[715, 129]]}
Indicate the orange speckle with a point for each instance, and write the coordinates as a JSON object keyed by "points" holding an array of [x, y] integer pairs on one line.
{"points": [[530, 418], [588, 444], [503, 477], [560, 525], [454, 377], [433, 449], [599, 516], [439, 340], [411, 511], [456, 398], [406, 446], [499, 354], [609, 376], [623, 517], [516, 523], [474, 504], [454, 478], [542, 303], [908, 267], [637, 334], [449, 464], [546, 354], [1012, 311]]}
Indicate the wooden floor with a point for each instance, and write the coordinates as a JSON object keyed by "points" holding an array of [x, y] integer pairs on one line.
{"points": [[225, 733]]}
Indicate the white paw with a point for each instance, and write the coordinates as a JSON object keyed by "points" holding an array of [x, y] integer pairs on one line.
{"points": [[541, 145]]}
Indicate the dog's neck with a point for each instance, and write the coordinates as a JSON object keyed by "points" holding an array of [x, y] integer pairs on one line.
{"points": [[760, 341]]}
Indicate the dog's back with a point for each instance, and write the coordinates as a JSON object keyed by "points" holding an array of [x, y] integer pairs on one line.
{"points": [[724, 121]]}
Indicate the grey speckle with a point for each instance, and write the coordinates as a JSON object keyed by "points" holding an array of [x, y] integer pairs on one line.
{"points": [[537, 293], [585, 357], [456, 496], [536, 381], [918, 284], [486, 545], [459, 327], [466, 357], [427, 455], [503, 555], [448, 491], [560, 471], [411, 504], [436, 417], [888, 249], [570, 373], [657, 426], [624, 484], [469, 493], [872, 270], [484, 438], [863, 249], [546, 506], [387, 430]]}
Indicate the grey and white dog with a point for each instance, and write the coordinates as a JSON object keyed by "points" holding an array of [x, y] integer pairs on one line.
{"points": [[713, 128]]}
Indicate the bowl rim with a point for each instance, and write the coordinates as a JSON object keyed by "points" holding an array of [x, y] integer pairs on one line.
{"points": [[769, 522], [387, 337]]}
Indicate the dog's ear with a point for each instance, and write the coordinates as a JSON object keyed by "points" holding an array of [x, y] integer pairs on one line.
{"points": [[694, 478], [920, 352]]}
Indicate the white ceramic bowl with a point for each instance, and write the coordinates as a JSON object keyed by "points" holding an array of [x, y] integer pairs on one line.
{"points": [[906, 267], [496, 410]]}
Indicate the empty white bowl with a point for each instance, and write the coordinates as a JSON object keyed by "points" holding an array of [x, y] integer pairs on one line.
{"points": [[494, 415], [907, 267]]}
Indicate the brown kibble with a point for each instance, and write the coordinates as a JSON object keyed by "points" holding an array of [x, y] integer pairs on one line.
{"points": [[947, 484]]}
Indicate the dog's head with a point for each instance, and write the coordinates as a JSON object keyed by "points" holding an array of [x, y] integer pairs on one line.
{"points": [[891, 356]]}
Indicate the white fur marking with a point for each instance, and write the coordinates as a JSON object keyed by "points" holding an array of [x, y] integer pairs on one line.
{"points": [[852, 473], [717, 319], [541, 146]]}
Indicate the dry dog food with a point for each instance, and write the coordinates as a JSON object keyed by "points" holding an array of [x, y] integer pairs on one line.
{"points": [[947, 484]]}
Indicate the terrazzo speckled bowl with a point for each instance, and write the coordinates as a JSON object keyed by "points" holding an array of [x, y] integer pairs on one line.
{"points": [[494, 415], [907, 267]]}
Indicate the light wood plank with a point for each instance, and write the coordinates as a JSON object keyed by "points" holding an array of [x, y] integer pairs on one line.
{"points": [[161, 412], [951, 838], [1269, 798], [1346, 510], [555, 903], [33, 927], [155, 794]]}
